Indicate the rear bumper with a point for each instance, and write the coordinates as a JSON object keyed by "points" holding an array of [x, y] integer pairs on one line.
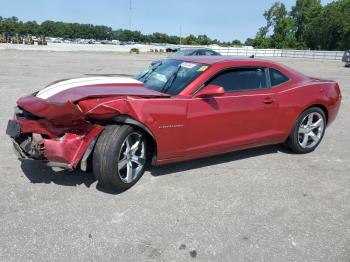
{"points": [[63, 151]]}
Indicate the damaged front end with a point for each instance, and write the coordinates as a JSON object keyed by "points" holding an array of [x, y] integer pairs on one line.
{"points": [[63, 141], [61, 123]]}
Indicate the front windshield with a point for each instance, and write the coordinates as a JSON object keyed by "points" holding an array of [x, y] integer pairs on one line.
{"points": [[170, 76]]}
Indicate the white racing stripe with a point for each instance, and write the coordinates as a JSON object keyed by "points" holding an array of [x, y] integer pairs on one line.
{"points": [[77, 82]]}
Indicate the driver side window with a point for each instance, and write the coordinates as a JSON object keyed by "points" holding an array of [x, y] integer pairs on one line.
{"points": [[241, 79]]}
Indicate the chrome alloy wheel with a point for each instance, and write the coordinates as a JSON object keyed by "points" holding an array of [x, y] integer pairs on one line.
{"points": [[132, 158], [311, 130]]}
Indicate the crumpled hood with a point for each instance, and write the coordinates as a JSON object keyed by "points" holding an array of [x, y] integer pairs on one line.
{"points": [[57, 100], [80, 88]]}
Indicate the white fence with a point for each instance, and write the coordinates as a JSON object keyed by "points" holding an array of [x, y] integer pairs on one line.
{"points": [[325, 55], [244, 51]]}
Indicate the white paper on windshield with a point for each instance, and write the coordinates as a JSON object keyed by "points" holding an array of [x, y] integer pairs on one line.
{"points": [[188, 65]]}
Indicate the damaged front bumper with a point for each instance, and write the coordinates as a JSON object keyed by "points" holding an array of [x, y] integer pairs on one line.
{"points": [[39, 140]]}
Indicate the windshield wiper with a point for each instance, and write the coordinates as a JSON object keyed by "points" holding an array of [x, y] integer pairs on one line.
{"points": [[171, 80], [148, 73]]}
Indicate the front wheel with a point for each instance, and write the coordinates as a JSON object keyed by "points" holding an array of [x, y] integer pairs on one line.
{"points": [[119, 157], [308, 131]]}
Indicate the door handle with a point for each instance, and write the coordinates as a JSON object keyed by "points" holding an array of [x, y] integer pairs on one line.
{"points": [[268, 100]]}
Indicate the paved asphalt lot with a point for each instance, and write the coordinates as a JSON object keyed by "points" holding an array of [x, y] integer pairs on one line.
{"points": [[257, 205]]}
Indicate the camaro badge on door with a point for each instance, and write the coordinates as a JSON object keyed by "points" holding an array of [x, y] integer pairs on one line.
{"points": [[171, 126]]}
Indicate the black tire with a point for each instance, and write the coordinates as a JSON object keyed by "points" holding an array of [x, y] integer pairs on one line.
{"points": [[293, 139], [106, 155]]}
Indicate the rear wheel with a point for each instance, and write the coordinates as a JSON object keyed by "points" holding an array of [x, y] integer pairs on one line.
{"points": [[308, 131], [119, 157]]}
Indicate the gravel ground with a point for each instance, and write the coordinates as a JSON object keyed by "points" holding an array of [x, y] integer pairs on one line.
{"points": [[263, 204]]}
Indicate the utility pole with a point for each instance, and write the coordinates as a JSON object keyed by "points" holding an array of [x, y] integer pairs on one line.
{"points": [[180, 34], [130, 10]]}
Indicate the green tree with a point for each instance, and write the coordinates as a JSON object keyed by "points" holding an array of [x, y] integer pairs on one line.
{"points": [[9, 25], [204, 40], [236, 42], [261, 39], [190, 40], [28, 28], [330, 30], [282, 26], [307, 25], [249, 42], [279, 31], [303, 13]]}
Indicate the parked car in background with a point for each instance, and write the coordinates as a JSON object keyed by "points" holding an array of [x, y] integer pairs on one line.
{"points": [[346, 58], [191, 52], [195, 52], [177, 110]]}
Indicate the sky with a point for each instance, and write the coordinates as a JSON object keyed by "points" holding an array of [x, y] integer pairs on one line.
{"points": [[225, 20]]}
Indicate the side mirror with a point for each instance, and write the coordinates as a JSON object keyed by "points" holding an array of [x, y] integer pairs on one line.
{"points": [[211, 90]]}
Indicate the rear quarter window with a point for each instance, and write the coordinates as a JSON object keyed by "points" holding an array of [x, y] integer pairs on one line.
{"points": [[277, 77]]}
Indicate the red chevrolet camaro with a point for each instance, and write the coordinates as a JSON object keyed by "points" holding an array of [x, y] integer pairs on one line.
{"points": [[175, 110]]}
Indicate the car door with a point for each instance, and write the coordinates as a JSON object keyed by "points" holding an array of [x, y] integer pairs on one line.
{"points": [[244, 115]]}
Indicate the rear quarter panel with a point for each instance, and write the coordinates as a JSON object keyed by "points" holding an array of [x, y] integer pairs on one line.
{"points": [[294, 99]]}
